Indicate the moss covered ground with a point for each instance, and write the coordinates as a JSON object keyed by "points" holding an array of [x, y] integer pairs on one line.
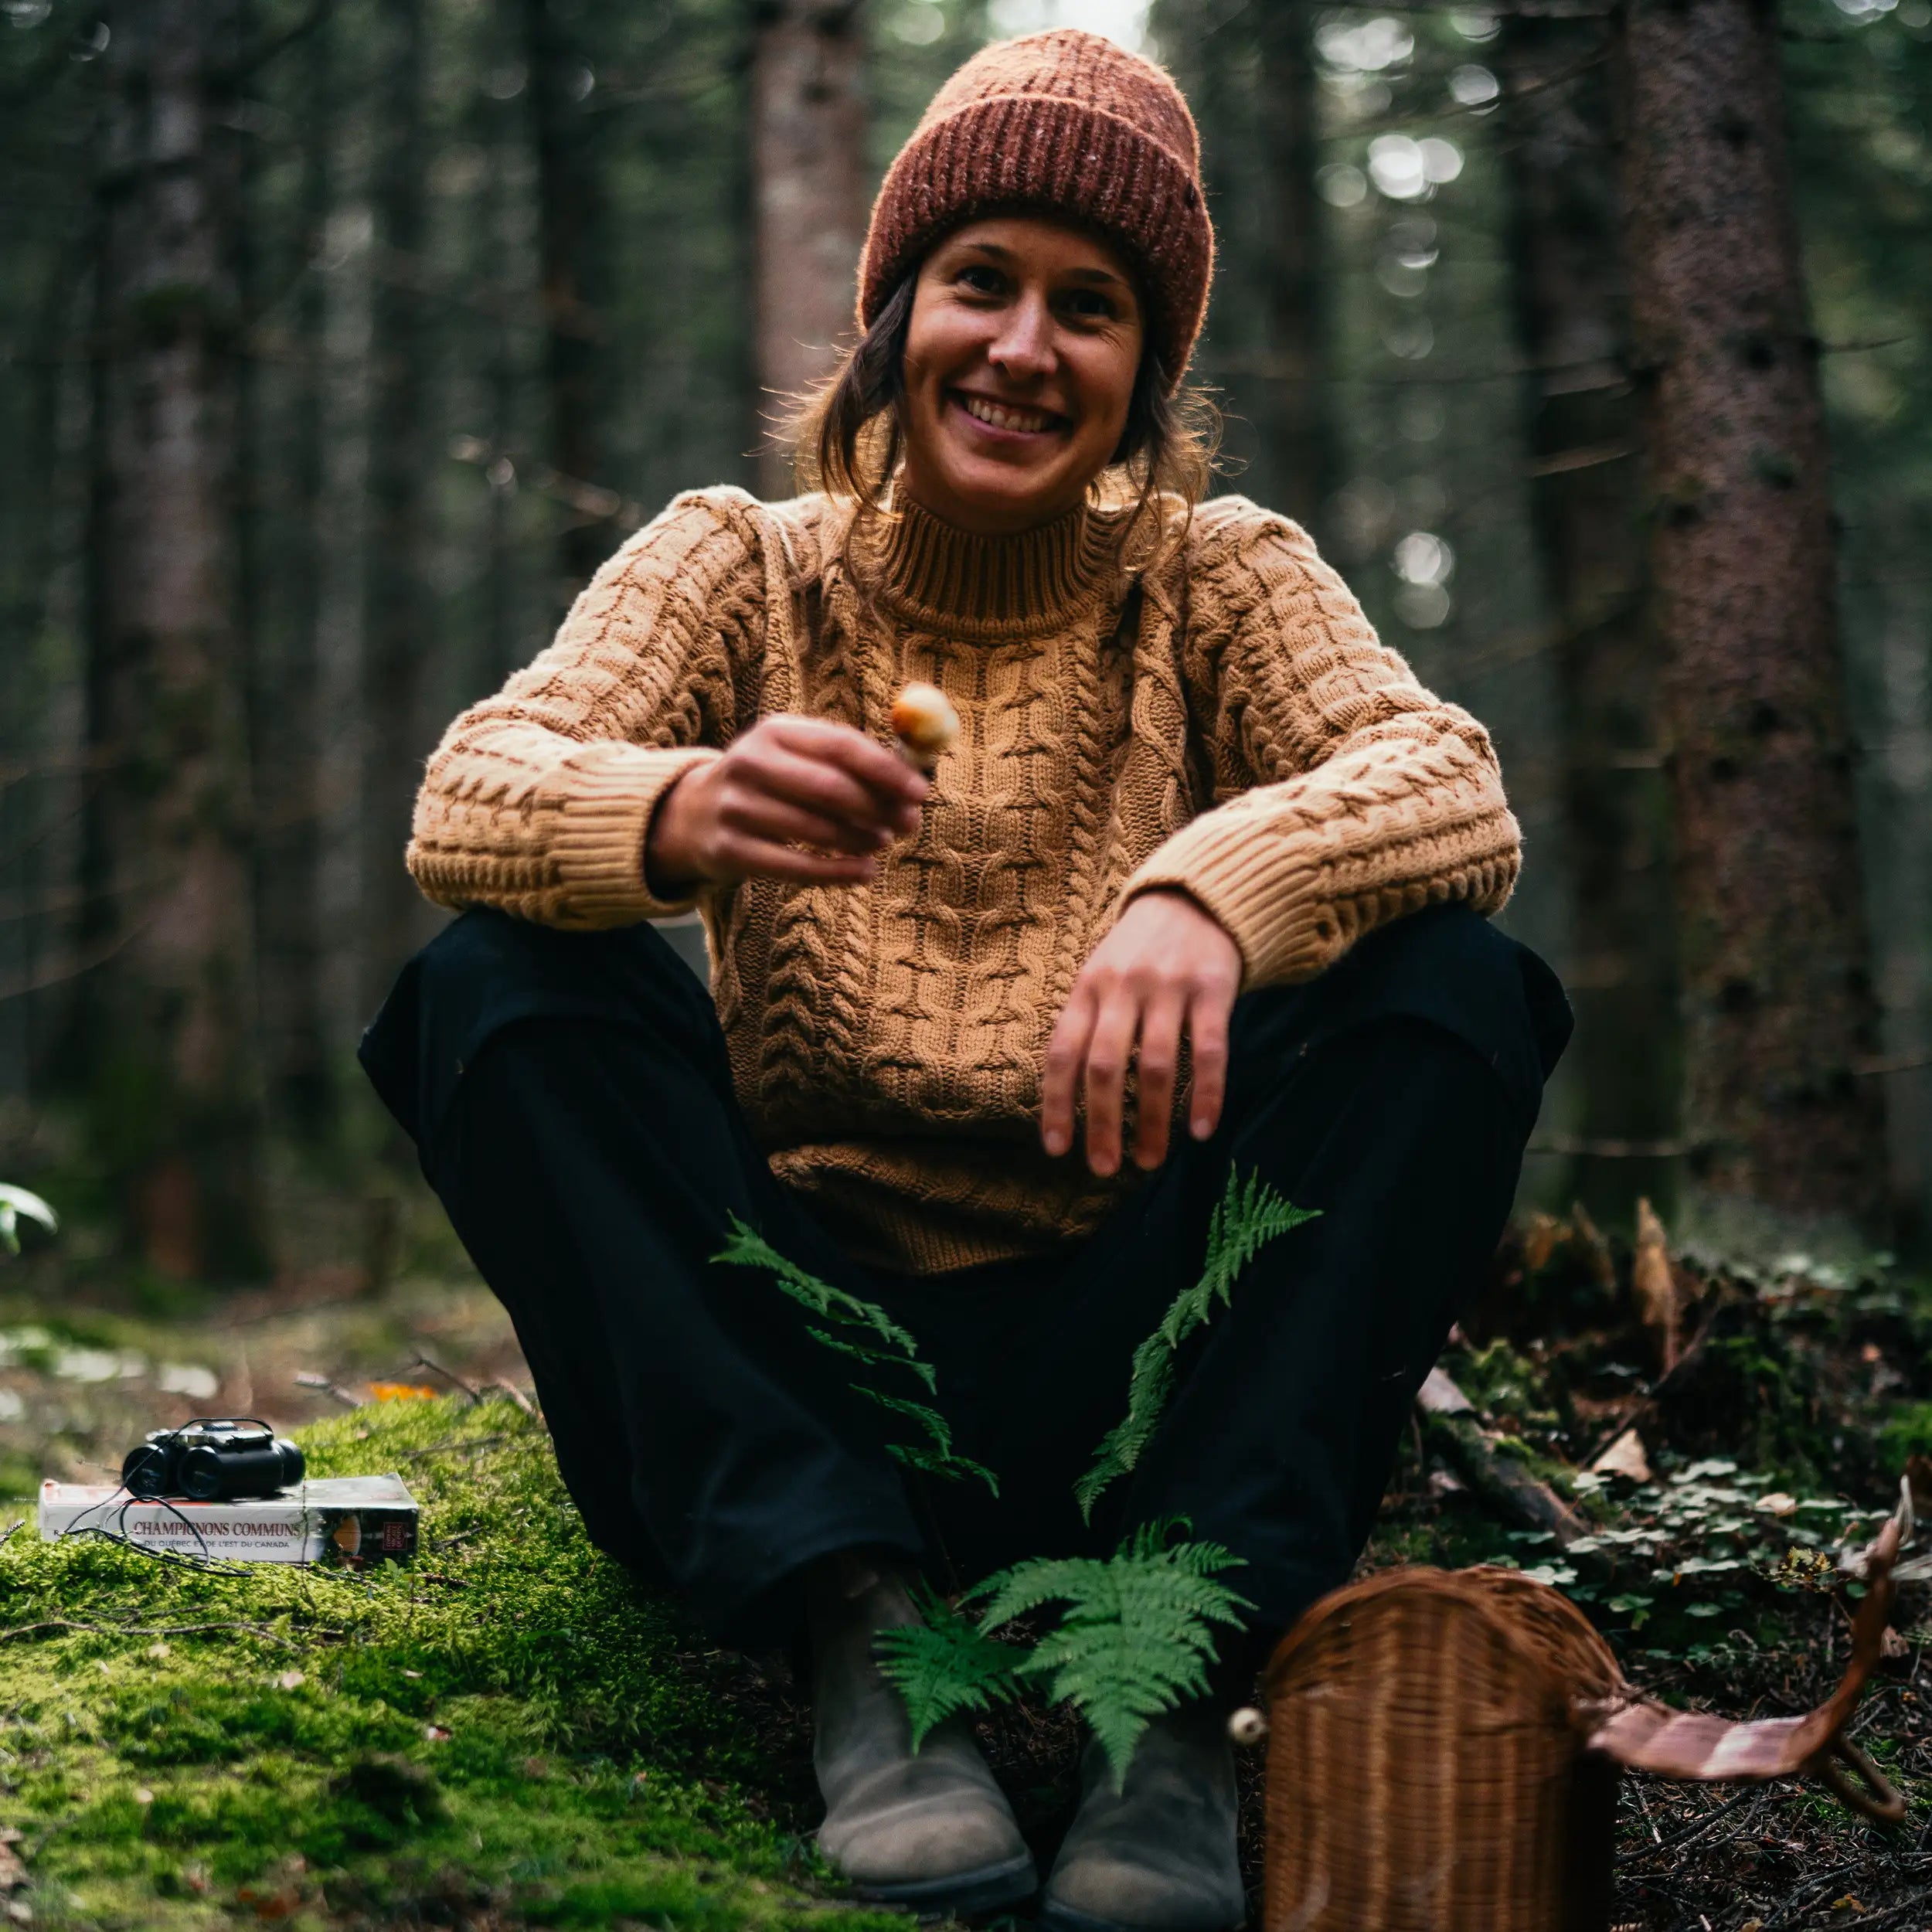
{"points": [[507, 1732]]}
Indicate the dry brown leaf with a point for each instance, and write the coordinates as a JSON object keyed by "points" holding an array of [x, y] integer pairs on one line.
{"points": [[1918, 1473], [1539, 1241], [1892, 1647], [1625, 1456], [1603, 1268], [1654, 1286]]}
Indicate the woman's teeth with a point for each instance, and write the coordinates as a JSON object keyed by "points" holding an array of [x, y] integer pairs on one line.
{"points": [[1000, 417]]}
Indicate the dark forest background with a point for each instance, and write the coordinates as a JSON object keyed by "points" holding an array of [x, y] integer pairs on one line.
{"points": [[340, 339]]}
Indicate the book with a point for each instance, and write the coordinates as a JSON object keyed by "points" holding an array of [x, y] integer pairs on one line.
{"points": [[352, 1521]]}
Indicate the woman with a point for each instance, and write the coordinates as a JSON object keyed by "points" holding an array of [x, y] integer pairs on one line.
{"points": [[1196, 819]]}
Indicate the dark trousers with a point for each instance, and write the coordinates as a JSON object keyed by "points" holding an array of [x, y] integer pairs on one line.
{"points": [[571, 1098]]}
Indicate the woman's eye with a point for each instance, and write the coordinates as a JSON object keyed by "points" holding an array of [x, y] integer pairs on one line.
{"points": [[1090, 305], [982, 280]]}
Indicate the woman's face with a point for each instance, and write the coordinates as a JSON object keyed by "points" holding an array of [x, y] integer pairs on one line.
{"points": [[1020, 360]]}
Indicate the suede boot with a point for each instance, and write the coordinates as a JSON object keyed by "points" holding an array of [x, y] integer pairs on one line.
{"points": [[932, 1831], [1158, 1855]]}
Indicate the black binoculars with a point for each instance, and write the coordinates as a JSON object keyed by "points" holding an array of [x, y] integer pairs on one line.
{"points": [[212, 1459]]}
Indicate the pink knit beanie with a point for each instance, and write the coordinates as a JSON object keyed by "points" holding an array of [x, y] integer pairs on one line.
{"points": [[1065, 122]]}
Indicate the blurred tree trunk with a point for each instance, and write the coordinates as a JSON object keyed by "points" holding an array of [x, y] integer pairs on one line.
{"points": [[809, 175], [1778, 1004], [168, 1021], [401, 612], [289, 804], [1588, 513], [574, 267], [1300, 426]]}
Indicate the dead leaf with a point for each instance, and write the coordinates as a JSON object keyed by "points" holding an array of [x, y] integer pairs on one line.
{"points": [[1539, 1241], [13, 1874], [1892, 1647], [1918, 1473], [1848, 1903], [1625, 1456], [1596, 1255], [1778, 1503], [401, 1391], [1655, 1287]]}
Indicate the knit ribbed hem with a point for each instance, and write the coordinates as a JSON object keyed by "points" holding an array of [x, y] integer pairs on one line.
{"points": [[1067, 157], [603, 797], [1273, 903], [946, 580]]}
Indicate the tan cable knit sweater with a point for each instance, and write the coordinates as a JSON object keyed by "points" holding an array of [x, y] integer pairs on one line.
{"points": [[1225, 723]]}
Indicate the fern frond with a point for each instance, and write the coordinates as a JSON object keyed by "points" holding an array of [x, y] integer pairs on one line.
{"points": [[946, 1466], [875, 1357], [749, 1248], [945, 1665], [1137, 1635], [1248, 1216], [1123, 1446]]}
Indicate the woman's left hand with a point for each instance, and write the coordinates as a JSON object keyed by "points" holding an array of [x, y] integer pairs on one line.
{"points": [[1167, 967]]}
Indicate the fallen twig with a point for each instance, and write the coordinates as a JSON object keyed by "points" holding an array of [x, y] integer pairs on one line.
{"points": [[308, 1378], [143, 1630], [1496, 1477], [517, 1396], [448, 1375], [8, 1537], [452, 1445]]}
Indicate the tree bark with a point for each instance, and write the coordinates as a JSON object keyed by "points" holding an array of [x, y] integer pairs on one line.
{"points": [[574, 268], [1299, 425], [1587, 507], [1778, 1006], [399, 611], [168, 1018], [808, 192], [289, 844]]}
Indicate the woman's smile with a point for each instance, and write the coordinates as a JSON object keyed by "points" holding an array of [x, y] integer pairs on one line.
{"points": [[1003, 419]]}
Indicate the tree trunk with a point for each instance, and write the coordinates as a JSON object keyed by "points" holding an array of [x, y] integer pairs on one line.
{"points": [[1778, 1006], [401, 612], [1588, 512], [289, 847], [808, 192], [574, 268], [168, 1025], [1300, 424]]}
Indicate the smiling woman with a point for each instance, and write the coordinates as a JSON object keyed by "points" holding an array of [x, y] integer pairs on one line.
{"points": [[1195, 880]]}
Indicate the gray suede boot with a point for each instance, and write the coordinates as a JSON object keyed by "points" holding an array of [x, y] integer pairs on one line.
{"points": [[1158, 1855], [932, 1831]]}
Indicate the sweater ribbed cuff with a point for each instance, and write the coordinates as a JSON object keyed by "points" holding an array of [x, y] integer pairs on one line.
{"points": [[603, 799], [1271, 898]]}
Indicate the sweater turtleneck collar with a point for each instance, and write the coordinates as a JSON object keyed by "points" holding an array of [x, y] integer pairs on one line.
{"points": [[948, 580]]}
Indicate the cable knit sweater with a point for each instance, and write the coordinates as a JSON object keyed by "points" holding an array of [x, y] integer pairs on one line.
{"points": [[1224, 722]]}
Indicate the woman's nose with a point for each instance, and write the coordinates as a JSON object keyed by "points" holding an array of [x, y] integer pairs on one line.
{"points": [[1023, 346]]}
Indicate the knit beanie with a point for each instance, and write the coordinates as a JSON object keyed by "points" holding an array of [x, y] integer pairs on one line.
{"points": [[1066, 123]]}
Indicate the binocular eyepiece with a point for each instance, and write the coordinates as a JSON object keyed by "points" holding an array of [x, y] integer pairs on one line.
{"points": [[212, 1459]]}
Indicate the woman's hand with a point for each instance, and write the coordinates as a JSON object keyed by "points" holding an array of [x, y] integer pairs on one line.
{"points": [[800, 799], [1167, 966]]}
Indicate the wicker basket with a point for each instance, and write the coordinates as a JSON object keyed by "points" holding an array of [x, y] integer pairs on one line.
{"points": [[1444, 1749]]}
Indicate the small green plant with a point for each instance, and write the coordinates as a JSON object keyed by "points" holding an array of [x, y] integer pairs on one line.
{"points": [[1247, 1217], [1135, 1633], [864, 1331], [15, 1201]]}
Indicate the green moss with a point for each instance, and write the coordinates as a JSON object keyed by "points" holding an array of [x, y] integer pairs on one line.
{"points": [[508, 1727]]}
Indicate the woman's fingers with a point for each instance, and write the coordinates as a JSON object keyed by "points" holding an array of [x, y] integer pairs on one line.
{"points": [[741, 857], [1207, 1026], [1109, 1053], [754, 815], [1066, 1061], [833, 767], [1159, 1064]]}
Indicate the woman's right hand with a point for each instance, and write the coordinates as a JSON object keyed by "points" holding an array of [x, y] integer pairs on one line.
{"points": [[800, 799]]}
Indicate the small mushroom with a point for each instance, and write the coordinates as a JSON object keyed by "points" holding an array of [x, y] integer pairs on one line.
{"points": [[1247, 1726], [926, 724]]}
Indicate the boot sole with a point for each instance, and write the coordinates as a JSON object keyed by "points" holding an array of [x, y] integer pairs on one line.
{"points": [[1063, 1918], [964, 1891]]}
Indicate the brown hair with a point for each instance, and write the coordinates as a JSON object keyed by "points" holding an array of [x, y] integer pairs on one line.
{"points": [[848, 436]]}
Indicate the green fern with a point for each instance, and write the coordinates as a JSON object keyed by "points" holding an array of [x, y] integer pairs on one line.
{"points": [[1247, 1217], [1136, 1636], [946, 1664], [865, 1333], [15, 1201]]}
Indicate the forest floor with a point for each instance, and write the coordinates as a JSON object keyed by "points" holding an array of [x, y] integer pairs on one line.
{"points": [[509, 1733]]}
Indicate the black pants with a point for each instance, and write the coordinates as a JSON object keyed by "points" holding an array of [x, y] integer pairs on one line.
{"points": [[570, 1096]]}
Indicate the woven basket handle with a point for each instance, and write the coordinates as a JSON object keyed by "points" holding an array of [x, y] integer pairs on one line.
{"points": [[1872, 1792], [1651, 1737]]}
